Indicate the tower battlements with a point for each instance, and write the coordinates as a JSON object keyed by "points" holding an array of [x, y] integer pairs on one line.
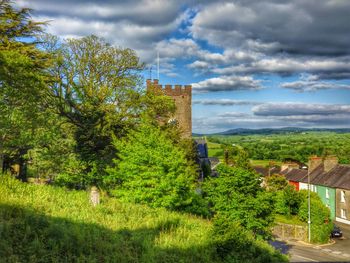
{"points": [[182, 96], [169, 90]]}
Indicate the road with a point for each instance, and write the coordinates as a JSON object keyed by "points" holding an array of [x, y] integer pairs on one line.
{"points": [[302, 253], [336, 252], [342, 244]]}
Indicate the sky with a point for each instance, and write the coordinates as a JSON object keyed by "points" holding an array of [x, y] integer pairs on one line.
{"points": [[251, 63]]}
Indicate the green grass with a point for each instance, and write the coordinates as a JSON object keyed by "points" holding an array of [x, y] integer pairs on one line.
{"points": [[264, 162], [292, 220], [215, 150], [40, 223]]}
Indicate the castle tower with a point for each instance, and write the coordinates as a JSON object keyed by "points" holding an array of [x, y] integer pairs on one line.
{"points": [[183, 101]]}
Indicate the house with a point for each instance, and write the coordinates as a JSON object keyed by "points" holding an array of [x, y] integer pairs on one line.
{"points": [[294, 176], [330, 180], [341, 184]]}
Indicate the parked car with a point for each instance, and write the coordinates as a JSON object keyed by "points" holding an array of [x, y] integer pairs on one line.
{"points": [[336, 232]]}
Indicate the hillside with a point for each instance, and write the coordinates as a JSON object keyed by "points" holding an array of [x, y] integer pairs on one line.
{"points": [[268, 131], [50, 224]]}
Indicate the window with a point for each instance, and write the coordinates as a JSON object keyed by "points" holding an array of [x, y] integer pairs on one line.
{"points": [[327, 193], [342, 196], [342, 213]]}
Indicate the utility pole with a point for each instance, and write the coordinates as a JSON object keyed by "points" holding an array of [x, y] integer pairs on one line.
{"points": [[309, 203]]}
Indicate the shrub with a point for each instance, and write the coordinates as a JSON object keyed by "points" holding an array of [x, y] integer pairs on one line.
{"points": [[233, 243], [151, 169], [320, 217], [236, 195]]}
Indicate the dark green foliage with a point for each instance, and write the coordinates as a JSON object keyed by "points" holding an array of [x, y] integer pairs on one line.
{"points": [[321, 225], [288, 201], [236, 195], [276, 182], [151, 169], [22, 83], [94, 90], [233, 243], [242, 160]]}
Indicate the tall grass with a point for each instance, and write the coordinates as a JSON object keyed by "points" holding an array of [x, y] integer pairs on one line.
{"points": [[50, 224]]}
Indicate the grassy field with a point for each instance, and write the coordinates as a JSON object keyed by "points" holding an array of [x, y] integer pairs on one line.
{"points": [[264, 162], [41, 223], [292, 220], [215, 150]]}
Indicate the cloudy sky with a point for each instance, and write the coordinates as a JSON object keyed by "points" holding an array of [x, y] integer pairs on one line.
{"points": [[252, 63]]}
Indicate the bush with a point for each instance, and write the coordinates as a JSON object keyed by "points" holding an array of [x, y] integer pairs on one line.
{"points": [[236, 195], [151, 169], [321, 225], [288, 201], [233, 243]]}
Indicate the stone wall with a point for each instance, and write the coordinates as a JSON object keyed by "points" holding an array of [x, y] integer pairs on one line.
{"points": [[288, 232]]}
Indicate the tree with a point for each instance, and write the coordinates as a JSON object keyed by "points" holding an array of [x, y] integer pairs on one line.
{"points": [[22, 81], [151, 169], [94, 90], [242, 160], [276, 182], [237, 196]]}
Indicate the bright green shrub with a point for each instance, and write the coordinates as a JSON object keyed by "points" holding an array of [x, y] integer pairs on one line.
{"points": [[321, 225], [233, 243], [236, 195], [151, 169]]}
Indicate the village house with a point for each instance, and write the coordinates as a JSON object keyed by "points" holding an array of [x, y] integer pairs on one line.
{"points": [[330, 180]]}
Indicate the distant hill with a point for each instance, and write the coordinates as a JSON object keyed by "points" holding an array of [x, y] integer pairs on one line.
{"points": [[284, 130]]}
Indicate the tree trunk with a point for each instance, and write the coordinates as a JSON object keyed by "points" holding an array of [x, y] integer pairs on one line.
{"points": [[1, 158]]}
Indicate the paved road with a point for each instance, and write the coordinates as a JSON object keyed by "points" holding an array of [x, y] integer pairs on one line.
{"points": [[337, 252], [342, 244], [301, 253], [309, 254]]}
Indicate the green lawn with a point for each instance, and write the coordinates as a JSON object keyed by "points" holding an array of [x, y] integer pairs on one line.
{"points": [[40, 223], [292, 220], [264, 162]]}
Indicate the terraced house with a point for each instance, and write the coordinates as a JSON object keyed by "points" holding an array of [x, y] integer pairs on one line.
{"points": [[330, 180]]}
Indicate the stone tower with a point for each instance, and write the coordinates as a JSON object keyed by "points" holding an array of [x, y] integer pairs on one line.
{"points": [[183, 101]]}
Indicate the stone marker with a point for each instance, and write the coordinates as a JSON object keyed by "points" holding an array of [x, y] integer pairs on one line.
{"points": [[94, 196]]}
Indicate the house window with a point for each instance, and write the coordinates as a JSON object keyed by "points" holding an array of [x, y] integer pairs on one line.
{"points": [[342, 213], [327, 193], [342, 196]]}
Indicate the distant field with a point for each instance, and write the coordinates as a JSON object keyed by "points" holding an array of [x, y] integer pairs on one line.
{"points": [[264, 162], [280, 147], [215, 150]]}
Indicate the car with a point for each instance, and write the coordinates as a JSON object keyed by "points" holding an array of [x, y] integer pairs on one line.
{"points": [[336, 232]]}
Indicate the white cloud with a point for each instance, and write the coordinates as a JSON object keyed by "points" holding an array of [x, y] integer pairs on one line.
{"points": [[226, 83], [225, 102]]}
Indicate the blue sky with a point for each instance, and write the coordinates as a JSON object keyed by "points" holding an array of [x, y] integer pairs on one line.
{"points": [[252, 64]]}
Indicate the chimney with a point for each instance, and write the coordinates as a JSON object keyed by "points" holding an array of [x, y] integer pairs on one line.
{"points": [[330, 162], [314, 162], [289, 166]]}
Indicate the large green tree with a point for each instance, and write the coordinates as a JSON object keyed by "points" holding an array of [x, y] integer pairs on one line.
{"points": [[93, 89], [22, 81]]}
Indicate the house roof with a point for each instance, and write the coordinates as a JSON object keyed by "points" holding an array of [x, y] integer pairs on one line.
{"points": [[296, 175], [338, 177]]}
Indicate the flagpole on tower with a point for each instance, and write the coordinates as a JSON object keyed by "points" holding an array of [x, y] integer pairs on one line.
{"points": [[158, 64]]}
